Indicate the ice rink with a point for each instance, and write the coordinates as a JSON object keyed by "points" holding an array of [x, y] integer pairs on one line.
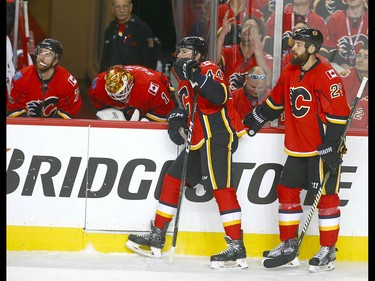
{"points": [[93, 266]]}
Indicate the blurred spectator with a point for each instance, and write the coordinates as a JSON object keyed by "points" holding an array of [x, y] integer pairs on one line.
{"points": [[326, 8], [253, 92], [237, 11], [10, 66], [236, 60], [352, 79], [263, 6], [132, 93], [201, 27], [347, 31], [299, 10], [10, 6], [127, 40], [44, 89]]}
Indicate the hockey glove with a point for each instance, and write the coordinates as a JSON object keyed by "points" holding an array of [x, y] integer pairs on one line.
{"points": [[184, 68], [254, 120], [177, 122], [331, 156]]}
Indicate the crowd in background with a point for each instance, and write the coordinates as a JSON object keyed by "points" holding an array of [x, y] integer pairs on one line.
{"points": [[245, 39]]}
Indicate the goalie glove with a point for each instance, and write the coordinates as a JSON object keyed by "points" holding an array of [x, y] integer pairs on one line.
{"points": [[331, 156], [184, 68], [177, 125], [254, 120]]}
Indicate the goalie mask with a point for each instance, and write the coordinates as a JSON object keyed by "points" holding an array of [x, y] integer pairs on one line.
{"points": [[195, 43], [118, 83]]}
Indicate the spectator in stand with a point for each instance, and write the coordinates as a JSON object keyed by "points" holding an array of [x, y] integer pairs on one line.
{"points": [[325, 8], [236, 11], [44, 89], [347, 30], [133, 93], [10, 8], [201, 27], [299, 10], [236, 60], [253, 92], [261, 5], [127, 40], [352, 79]]}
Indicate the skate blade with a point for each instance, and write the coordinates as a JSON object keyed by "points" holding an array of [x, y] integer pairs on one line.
{"points": [[293, 263], [321, 268], [152, 253], [229, 265]]}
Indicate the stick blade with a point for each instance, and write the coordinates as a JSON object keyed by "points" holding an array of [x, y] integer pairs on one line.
{"points": [[279, 261]]}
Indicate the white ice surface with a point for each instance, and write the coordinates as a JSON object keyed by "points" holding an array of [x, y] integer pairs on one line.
{"points": [[93, 266]]}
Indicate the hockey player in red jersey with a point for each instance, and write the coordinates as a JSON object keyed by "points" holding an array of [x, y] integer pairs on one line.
{"points": [[131, 92], [312, 96], [44, 89], [217, 127], [352, 79]]}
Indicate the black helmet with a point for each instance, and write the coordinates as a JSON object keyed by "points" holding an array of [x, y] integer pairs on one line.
{"points": [[310, 36], [51, 44], [195, 43]]}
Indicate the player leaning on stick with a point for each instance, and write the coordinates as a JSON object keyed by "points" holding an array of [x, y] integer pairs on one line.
{"points": [[311, 94], [216, 129]]}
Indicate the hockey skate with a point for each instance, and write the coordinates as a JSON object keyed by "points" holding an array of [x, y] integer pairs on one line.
{"points": [[233, 257], [323, 260], [149, 245], [285, 248]]}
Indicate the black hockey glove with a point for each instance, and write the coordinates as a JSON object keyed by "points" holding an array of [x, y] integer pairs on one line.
{"points": [[184, 68], [177, 122], [331, 156], [254, 120], [35, 109], [236, 81]]}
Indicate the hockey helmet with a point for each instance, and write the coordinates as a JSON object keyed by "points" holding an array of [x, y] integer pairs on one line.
{"points": [[309, 36], [50, 44], [119, 82], [195, 43]]}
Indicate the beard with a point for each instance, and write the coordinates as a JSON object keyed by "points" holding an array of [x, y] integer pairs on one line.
{"points": [[300, 60], [43, 67]]}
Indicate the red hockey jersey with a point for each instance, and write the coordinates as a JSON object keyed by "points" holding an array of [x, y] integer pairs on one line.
{"points": [[150, 94], [210, 118], [309, 100], [61, 96], [352, 83]]}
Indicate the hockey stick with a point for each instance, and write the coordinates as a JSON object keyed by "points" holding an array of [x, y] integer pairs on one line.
{"points": [[284, 259], [183, 176]]}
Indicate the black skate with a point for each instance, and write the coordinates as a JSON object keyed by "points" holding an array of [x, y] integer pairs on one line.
{"points": [[233, 257], [149, 245], [285, 248], [323, 260]]}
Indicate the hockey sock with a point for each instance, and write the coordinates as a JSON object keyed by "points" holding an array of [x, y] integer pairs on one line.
{"points": [[329, 219], [290, 211], [168, 201], [230, 211]]}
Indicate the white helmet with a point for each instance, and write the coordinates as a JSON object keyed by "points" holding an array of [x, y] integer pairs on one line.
{"points": [[119, 82]]}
